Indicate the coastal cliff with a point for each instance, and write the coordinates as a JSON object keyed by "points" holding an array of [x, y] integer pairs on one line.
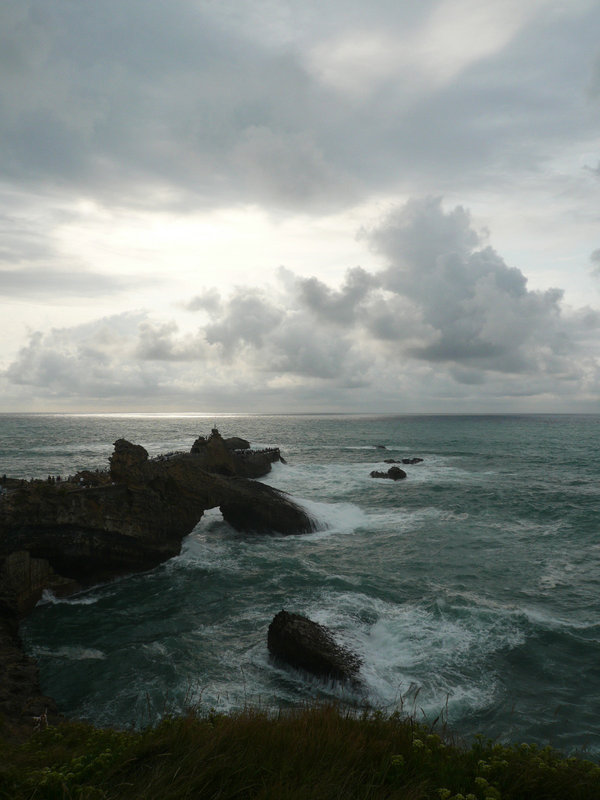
{"points": [[61, 535]]}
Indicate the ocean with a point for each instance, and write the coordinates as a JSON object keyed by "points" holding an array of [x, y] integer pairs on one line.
{"points": [[470, 589]]}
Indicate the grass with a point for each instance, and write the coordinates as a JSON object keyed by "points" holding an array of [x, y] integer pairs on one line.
{"points": [[318, 753]]}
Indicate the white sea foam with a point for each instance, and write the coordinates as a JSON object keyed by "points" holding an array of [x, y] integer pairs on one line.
{"points": [[72, 653], [342, 518], [203, 550], [408, 645], [155, 648], [48, 598]]}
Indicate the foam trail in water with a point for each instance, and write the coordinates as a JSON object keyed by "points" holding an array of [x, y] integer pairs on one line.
{"points": [[48, 598], [72, 653]]}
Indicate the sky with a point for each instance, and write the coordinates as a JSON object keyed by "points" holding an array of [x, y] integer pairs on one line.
{"points": [[290, 206]]}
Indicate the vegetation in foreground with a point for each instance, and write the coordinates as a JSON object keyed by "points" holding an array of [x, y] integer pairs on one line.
{"points": [[310, 754]]}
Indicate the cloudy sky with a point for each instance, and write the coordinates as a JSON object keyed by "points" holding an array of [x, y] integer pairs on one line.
{"points": [[285, 205]]}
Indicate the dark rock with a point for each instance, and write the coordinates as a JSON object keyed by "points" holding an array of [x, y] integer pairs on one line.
{"points": [[412, 460], [21, 699], [250, 506], [381, 447], [391, 461], [216, 456], [233, 456], [236, 443], [306, 645], [127, 463], [395, 473]]}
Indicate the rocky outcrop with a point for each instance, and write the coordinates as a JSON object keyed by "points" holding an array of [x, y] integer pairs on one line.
{"points": [[137, 516], [252, 506], [233, 456], [394, 473], [67, 534], [412, 460], [236, 443], [304, 644]]}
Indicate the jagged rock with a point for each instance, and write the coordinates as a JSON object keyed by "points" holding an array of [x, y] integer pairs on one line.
{"points": [[391, 461], [412, 460], [395, 473], [305, 644], [127, 463], [199, 445], [233, 456]]}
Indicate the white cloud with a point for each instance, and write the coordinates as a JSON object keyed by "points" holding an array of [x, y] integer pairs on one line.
{"points": [[444, 313]]}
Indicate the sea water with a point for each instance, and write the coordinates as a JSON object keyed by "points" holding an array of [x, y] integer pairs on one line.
{"points": [[470, 589]]}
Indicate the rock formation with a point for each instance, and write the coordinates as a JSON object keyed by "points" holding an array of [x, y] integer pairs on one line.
{"points": [[304, 644], [394, 473], [90, 528], [233, 456]]}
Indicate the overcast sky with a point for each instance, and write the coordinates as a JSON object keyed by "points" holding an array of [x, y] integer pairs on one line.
{"points": [[285, 205]]}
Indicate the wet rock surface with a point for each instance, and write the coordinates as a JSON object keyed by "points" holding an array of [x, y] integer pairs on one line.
{"points": [[393, 473], [298, 641]]}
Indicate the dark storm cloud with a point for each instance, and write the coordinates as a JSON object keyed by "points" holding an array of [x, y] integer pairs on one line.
{"points": [[228, 102]]}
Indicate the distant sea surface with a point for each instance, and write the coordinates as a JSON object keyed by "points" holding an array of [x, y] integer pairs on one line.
{"points": [[471, 589]]}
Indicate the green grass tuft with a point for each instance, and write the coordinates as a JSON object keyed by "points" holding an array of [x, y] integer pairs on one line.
{"points": [[320, 753]]}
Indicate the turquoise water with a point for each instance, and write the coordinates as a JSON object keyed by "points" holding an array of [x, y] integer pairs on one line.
{"points": [[470, 589]]}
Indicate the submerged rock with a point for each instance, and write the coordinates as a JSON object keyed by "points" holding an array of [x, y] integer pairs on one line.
{"points": [[305, 644], [412, 460], [394, 473]]}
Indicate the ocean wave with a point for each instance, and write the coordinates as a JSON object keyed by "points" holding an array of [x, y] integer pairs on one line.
{"points": [[72, 653], [405, 645], [80, 599]]}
